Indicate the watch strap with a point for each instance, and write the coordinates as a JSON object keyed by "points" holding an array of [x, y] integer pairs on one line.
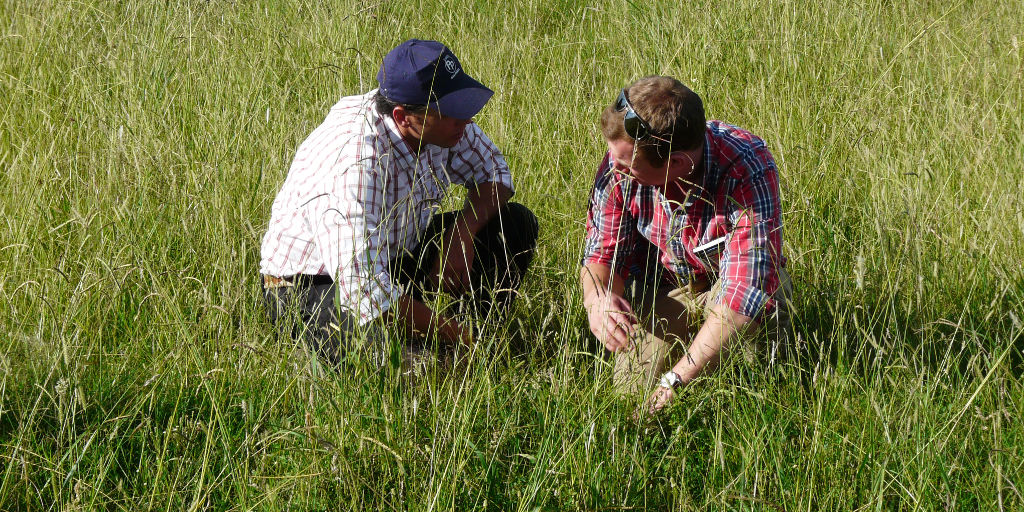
{"points": [[671, 380]]}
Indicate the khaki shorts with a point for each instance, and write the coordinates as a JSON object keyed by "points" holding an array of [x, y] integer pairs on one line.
{"points": [[670, 317]]}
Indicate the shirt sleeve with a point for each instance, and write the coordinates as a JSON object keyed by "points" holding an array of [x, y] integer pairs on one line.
{"points": [[752, 256], [609, 223], [475, 159], [349, 235]]}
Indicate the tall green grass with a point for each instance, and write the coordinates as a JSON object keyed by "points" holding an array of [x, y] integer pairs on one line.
{"points": [[142, 143]]}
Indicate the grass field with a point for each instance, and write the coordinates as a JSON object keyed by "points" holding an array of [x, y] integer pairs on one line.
{"points": [[141, 144]]}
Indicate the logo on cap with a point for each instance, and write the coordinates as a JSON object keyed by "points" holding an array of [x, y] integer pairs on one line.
{"points": [[414, 73], [451, 66]]}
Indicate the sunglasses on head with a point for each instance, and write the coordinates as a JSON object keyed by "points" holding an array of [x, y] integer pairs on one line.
{"points": [[635, 126]]}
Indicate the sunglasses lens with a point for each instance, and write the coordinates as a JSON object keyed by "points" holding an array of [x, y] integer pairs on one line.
{"points": [[620, 103], [634, 127]]}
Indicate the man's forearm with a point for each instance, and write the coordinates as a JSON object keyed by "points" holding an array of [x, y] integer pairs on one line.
{"points": [[722, 327], [597, 281]]}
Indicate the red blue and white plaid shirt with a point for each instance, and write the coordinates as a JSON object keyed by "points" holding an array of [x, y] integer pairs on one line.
{"points": [[735, 197]]}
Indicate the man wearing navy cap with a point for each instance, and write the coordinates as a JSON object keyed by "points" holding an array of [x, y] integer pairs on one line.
{"points": [[355, 236]]}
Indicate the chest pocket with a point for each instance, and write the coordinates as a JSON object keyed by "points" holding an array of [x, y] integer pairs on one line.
{"points": [[677, 236]]}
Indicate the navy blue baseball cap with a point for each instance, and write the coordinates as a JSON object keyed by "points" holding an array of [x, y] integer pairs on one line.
{"points": [[419, 72]]}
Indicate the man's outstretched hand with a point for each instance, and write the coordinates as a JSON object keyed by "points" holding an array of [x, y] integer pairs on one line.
{"points": [[420, 321], [612, 320], [659, 399]]}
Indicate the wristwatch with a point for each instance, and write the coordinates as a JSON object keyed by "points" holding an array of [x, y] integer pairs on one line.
{"points": [[671, 380]]}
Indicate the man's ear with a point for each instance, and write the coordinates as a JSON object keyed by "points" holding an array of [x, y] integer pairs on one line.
{"points": [[680, 161], [400, 115]]}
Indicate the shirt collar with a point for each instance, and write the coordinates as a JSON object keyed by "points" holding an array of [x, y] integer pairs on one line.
{"points": [[712, 168]]}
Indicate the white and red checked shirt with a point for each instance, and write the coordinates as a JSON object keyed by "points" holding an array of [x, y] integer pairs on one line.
{"points": [[736, 197], [357, 195]]}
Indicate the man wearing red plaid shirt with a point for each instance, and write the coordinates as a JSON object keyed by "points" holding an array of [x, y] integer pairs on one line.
{"points": [[683, 255], [355, 239]]}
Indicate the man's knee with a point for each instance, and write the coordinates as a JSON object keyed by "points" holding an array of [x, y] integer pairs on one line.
{"points": [[519, 227], [504, 253], [637, 370], [510, 242]]}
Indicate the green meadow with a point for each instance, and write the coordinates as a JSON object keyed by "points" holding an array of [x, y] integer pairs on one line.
{"points": [[142, 143]]}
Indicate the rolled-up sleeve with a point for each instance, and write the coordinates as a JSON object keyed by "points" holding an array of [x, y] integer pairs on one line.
{"points": [[750, 263], [610, 232]]}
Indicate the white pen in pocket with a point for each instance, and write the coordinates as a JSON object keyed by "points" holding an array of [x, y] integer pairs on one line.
{"points": [[708, 252]]}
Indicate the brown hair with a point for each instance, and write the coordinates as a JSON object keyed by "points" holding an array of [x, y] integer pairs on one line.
{"points": [[674, 113], [385, 106]]}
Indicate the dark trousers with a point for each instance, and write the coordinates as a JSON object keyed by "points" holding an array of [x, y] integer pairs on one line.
{"points": [[504, 249]]}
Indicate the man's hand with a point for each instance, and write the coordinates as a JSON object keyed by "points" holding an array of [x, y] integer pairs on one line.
{"points": [[451, 268], [420, 321], [456, 332], [612, 320], [658, 400], [610, 316]]}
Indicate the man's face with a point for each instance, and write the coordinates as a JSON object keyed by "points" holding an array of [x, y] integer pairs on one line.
{"points": [[434, 128], [625, 159], [679, 166]]}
